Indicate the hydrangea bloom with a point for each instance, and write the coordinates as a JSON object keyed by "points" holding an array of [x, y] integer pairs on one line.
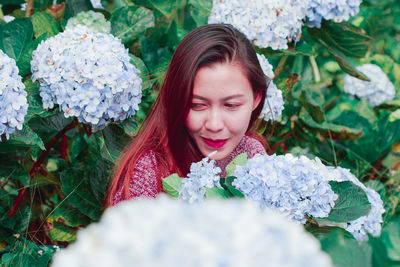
{"points": [[88, 75], [380, 89], [268, 23], [8, 18], [166, 232], [371, 223], [93, 20], [203, 174], [293, 185], [13, 101], [97, 4], [273, 105], [336, 10]]}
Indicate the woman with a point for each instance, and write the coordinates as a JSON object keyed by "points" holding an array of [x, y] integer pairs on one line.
{"points": [[213, 92]]}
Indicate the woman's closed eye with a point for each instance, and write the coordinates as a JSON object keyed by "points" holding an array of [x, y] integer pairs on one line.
{"points": [[232, 106], [198, 106]]}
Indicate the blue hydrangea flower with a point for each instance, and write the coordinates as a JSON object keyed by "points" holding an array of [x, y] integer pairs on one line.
{"points": [[268, 23], [203, 174], [95, 21], [170, 233], [274, 104], [371, 223], [88, 74], [13, 97], [379, 90], [295, 186], [336, 10]]}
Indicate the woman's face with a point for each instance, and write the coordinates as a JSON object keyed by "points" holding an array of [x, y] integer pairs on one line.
{"points": [[222, 104]]}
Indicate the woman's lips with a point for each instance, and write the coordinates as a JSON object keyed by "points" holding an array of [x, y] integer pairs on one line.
{"points": [[214, 143]]}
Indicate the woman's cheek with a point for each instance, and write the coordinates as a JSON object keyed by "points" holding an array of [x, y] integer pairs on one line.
{"points": [[193, 122]]}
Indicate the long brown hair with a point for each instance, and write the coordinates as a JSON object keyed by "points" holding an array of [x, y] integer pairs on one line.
{"points": [[163, 130]]}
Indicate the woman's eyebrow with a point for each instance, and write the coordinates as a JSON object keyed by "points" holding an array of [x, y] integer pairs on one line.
{"points": [[224, 99]]}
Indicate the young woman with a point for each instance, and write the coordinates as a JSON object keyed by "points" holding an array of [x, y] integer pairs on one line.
{"points": [[213, 92]]}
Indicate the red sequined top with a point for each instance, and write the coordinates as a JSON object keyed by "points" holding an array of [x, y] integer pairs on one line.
{"points": [[144, 180]]}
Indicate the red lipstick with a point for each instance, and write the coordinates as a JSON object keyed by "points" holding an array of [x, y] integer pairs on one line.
{"points": [[215, 143]]}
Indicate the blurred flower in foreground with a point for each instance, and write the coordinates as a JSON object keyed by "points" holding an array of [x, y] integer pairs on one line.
{"points": [[13, 97], [89, 75], [166, 232], [379, 90]]}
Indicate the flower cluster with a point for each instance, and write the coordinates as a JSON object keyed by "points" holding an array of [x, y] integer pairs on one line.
{"points": [[273, 105], [336, 10], [166, 232], [203, 174], [268, 23], [293, 185], [371, 223], [13, 97], [95, 21], [380, 89], [88, 75]]}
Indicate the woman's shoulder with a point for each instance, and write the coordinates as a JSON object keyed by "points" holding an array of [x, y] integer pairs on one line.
{"points": [[251, 146]]}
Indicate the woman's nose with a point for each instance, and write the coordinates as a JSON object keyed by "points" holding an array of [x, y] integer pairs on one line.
{"points": [[214, 121]]}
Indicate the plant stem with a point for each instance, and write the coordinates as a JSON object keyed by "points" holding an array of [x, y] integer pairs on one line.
{"points": [[29, 9], [315, 69], [39, 162], [280, 66]]}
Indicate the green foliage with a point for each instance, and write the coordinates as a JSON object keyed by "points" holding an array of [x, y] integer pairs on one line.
{"points": [[63, 170]]}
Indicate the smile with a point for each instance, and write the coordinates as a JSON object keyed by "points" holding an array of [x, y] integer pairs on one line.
{"points": [[214, 143]]}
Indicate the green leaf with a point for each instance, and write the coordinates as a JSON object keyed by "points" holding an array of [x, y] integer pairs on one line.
{"points": [[390, 237], [171, 185], [216, 192], [227, 184], [129, 23], [76, 188], [27, 136], [14, 170], [61, 232], [337, 132], [68, 215], [35, 108], [345, 251], [43, 23], [14, 36], [77, 146], [24, 62], [312, 103], [99, 178], [130, 126], [115, 141], [200, 10], [164, 7], [240, 159], [144, 74], [351, 204]]}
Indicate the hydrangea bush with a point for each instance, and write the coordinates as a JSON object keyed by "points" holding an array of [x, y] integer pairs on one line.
{"points": [[95, 21], [336, 10], [274, 104], [89, 75], [267, 23], [155, 232], [377, 91], [13, 97]]}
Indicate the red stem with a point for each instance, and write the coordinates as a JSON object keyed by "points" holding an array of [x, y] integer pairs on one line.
{"points": [[377, 167], [37, 164], [282, 143]]}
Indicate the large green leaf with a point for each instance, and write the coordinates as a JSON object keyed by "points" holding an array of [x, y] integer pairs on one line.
{"points": [[115, 141], [238, 160], [171, 185], [43, 23], [99, 178], [390, 237], [14, 170], [164, 7], [76, 187], [14, 36], [68, 215], [345, 251], [73, 7], [351, 204], [61, 232], [200, 10], [26, 136], [227, 184], [35, 108], [129, 23], [216, 192]]}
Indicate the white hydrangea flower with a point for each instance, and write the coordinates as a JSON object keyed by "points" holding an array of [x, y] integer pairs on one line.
{"points": [[274, 104], [268, 23], [379, 90], [88, 75], [370, 223], [203, 174], [13, 97], [97, 4], [8, 18], [293, 185], [95, 21], [170, 233], [336, 10]]}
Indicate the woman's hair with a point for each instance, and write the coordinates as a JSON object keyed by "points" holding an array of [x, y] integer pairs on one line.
{"points": [[163, 130]]}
